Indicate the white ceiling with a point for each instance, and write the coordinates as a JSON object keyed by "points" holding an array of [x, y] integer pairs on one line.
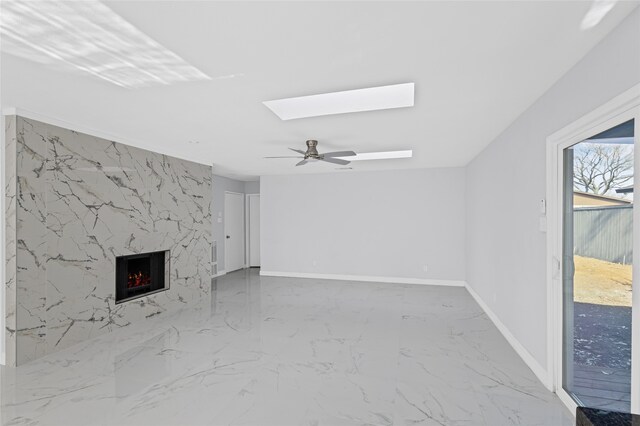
{"points": [[476, 66]]}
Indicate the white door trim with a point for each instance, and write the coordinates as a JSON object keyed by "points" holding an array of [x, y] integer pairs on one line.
{"points": [[622, 108]]}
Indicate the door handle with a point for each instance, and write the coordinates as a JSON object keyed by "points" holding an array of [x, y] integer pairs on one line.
{"points": [[556, 267], [228, 237]]}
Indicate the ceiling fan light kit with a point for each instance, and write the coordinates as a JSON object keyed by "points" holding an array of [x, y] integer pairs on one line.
{"points": [[342, 158], [312, 154]]}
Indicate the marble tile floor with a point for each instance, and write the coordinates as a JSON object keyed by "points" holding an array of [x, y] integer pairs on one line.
{"points": [[285, 351]]}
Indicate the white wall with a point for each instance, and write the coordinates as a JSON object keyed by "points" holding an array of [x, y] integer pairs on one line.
{"points": [[380, 224], [506, 255], [252, 187]]}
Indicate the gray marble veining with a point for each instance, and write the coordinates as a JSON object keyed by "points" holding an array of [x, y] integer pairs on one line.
{"points": [[283, 351], [10, 239], [80, 201]]}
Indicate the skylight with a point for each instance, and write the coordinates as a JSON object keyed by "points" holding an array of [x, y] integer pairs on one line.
{"points": [[383, 155], [88, 36], [370, 99]]}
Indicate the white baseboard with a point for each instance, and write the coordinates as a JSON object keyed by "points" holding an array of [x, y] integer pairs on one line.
{"points": [[541, 373], [219, 274], [396, 280]]}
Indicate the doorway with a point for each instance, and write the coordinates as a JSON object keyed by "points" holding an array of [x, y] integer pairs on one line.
{"points": [[597, 268], [233, 231], [593, 233]]}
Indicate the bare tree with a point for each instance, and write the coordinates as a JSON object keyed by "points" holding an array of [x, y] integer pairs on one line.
{"points": [[601, 168]]}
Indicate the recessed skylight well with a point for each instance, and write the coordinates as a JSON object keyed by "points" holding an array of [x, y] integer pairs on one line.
{"points": [[383, 155], [370, 99]]}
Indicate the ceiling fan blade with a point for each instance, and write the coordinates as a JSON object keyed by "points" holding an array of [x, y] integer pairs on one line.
{"points": [[298, 151], [302, 163], [339, 154], [290, 156], [335, 161]]}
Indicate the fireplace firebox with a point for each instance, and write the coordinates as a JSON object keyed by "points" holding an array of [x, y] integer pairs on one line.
{"points": [[138, 275]]}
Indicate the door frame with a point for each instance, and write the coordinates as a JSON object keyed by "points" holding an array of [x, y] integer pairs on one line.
{"points": [[620, 109], [247, 232], [244, 210]]}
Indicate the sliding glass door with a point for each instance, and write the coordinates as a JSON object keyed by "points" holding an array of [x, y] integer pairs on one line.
{"points": [[597, 259]]}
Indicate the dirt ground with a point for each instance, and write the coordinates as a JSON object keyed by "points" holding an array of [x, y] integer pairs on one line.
{"points": [[602, 283]]}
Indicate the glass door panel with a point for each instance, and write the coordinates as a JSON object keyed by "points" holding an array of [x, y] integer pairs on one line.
{"points": [[597, 262]]}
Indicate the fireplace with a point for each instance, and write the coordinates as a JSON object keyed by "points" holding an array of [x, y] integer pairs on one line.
{"points": [[140, 274]]}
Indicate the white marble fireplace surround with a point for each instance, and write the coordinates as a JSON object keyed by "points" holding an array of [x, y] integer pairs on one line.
{"points": [[73, 203]]}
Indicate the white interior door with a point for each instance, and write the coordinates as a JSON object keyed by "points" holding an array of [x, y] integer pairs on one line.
{"points": [[254, 230], [233, 231]]}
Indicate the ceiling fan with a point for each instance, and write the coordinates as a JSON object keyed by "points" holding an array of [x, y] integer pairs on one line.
{"points": [[311, 154]]}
